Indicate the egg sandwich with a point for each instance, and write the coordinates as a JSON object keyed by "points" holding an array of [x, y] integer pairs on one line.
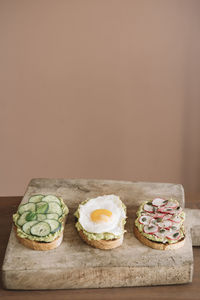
{"points": [[101, 220], [160, 224], [39, 223]]}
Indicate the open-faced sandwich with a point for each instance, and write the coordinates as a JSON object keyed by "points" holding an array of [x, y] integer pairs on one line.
{"points": [[39, 223], [101, 220], [159, 224]]}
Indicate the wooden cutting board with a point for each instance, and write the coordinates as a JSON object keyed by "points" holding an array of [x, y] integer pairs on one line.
{"points": [[77, 265]]}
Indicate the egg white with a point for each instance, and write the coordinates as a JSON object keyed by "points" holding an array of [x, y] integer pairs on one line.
{"points": [[109, 202]]}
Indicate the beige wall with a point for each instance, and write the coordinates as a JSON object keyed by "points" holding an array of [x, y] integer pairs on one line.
{"points": [[99, 89]]}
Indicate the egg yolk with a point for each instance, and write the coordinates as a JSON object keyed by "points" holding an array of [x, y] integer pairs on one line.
{"points": [[101, 215]]}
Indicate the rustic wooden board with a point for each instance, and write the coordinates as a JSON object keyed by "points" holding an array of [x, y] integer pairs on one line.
{"points": [[193, 222], [76, 265]]}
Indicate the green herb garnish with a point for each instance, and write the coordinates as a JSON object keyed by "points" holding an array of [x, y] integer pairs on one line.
{"points": [[150, 227], [175, 234], [159, 219], [30, 216]]}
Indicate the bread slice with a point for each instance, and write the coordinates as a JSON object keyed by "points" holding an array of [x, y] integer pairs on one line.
{"points": [[157, 245], [102, 244], [41, 246]]}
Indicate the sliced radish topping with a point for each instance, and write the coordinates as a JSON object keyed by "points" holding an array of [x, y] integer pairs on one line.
{"points": [[173, 235], [145, 219], [153, 222], [150, 228], [148, 208], [159, 202], [171, 204], [167, 210], [167, 217], [162, 233], [159, 216], [175, 227], [145, 213], [165, 224], [175, 219]]}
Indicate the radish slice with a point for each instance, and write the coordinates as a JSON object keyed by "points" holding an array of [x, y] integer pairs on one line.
{"points": [[145, 219], [148, 208], [167, 217], [153, 222], [173, 235], [159, 215], [175, 227], [150, 228], [165, 224], [162, 233], [159, 202], [167, 210], [175, 219], [171, 204]]}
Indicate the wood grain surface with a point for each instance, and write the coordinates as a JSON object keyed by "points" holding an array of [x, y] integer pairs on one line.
{"points": [[8, 206], [76, 265]]}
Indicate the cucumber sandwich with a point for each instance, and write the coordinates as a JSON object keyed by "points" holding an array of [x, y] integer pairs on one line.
{"points": [[160, 224], [39, 223]]}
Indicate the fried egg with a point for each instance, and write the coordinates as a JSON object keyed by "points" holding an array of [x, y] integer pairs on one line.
{"points": [[102, 214]]}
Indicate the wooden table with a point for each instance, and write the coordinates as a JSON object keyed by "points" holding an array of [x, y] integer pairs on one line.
{"points": [[8, 205]]}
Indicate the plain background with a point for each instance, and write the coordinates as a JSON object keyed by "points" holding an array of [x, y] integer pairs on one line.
{"points": [[99, 89]]}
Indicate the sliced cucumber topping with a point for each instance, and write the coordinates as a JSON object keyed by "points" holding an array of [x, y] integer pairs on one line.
{"points": [[54, 208], [40, 229], [42, 207], [30, 216], [22, 219], [41, 217], [54, 224], [35, 198], [51, 198], [26, 207], [27, 226], [52, 216]]}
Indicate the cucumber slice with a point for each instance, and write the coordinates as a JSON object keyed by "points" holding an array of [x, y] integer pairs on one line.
{"points": [[54, 224], [40, 229], [54, 208], [52, 216], [51, 198], [42, 207], [26, 207], [27, 226], [41, 217], [22, 219], [35, 198]]}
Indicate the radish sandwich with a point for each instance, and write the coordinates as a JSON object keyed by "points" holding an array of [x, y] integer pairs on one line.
{"points": [[160, 224]]}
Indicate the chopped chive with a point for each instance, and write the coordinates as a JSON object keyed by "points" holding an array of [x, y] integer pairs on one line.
{"points": [[30, 216], [175, 234]]}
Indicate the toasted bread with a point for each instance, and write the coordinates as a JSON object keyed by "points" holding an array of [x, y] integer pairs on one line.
{"points": [[157, 245], [41, 246], [102, 244]]}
